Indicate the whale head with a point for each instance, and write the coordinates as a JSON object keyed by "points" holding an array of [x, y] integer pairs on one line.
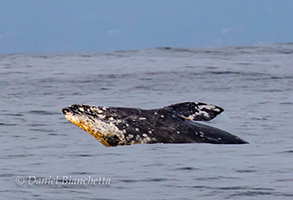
{"points": [[100, 122]]}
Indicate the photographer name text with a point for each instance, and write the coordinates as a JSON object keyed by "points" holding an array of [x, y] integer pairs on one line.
{"points": [[62, 180]]}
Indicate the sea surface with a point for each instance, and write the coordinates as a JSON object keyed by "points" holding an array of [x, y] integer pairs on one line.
{"points": [[44, 156]]}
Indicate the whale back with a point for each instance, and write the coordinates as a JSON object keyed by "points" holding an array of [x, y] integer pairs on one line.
{"points": [[195, 111]]}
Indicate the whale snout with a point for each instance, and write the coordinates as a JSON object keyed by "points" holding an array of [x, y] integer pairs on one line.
{"points": [[77, 109], [71, 109], [66, 110]]}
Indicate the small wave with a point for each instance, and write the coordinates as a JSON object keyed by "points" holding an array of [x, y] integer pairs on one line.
{"points": [[238, 73], [285, 180], [81, 155], [281, 77], [224, 72], [260, 193], [286, 103], [19, 156], [187, 169], [80, 173], [251, 193], [245, 171], [3, 175], [6, 124], [176, 49], [287, 151], [154, 180], [14, 114], [270, 90], [84, 155], [232, 188], [129, 181], [259, 118], [42, 130], [42, 112], [144, 180]]}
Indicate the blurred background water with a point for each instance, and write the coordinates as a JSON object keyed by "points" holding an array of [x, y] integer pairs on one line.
{"points": [[252, 83]]}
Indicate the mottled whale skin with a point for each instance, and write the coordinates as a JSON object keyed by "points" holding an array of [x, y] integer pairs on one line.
{"points": [[117, 126]]}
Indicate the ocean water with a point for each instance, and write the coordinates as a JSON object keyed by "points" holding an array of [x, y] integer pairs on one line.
{"points": [[43, 156]]}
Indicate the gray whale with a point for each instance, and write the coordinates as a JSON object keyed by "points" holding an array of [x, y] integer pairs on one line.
{"points": [[117, 126]]}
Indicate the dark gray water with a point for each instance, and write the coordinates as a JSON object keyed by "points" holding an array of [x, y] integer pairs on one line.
{"points": [[253, 84]]}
